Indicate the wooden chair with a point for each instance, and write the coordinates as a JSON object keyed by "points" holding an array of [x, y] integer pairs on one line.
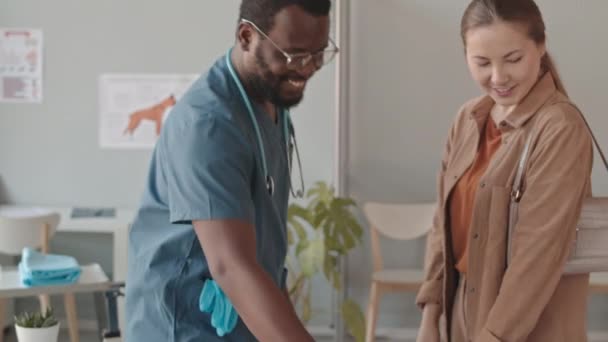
{"points": [[399, 222]]}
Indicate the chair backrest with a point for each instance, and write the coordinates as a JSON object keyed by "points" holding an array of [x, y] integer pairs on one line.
{"points": [[400, 221], [25, 227]]}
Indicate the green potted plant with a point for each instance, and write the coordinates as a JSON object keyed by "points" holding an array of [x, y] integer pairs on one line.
{"points": [[322, 232], [37, 327]]}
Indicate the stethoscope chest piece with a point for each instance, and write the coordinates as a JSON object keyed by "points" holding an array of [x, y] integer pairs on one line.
{"points": [[270, 185]]}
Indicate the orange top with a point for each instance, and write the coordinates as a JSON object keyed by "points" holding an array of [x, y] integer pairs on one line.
{"points": [[463, 196]]}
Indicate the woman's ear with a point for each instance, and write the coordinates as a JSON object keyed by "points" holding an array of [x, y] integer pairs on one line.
{"points": [[543, 49]]}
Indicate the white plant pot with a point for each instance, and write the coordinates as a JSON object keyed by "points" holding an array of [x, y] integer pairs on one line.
{"points": [[49, 334]]}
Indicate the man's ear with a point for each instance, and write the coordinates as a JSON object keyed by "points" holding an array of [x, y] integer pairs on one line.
{"points": [[244, 36]]}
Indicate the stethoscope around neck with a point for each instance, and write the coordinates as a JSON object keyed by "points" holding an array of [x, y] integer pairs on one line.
{"points": [[287, 133]]}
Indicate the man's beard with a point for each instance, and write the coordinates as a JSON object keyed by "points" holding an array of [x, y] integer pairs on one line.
{"points": [[266, 86]]}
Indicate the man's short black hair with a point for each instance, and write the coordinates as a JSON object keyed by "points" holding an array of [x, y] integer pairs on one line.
{"points": [[262, 12]]}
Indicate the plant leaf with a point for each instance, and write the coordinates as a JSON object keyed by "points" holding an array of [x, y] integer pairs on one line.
{"points": [[354, 319], [328, 265], [306, 308], [299, 229], [311, 257], [36, 320], [320, 215], [290, 239], [343, 202], [295, 211], [302, 246]]}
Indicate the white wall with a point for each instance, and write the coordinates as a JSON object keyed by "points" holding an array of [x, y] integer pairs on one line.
{"points": [[50, 153]]}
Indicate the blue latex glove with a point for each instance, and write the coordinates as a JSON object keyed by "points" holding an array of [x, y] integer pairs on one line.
{"points": [[213, 301]]}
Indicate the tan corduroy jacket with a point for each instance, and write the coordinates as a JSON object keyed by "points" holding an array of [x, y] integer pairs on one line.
{"points": [[530, 301]]}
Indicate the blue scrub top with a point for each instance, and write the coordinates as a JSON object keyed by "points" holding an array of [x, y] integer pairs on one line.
{"points": [[206, 166]]}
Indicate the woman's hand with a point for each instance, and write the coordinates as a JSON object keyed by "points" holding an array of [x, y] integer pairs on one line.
{"points": [[429, 327]]}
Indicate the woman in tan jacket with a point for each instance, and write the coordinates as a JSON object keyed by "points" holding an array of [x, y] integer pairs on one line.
{"points": [[469, 293]]}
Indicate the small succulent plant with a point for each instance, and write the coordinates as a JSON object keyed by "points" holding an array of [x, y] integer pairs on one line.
{"points": [[36, 319]]}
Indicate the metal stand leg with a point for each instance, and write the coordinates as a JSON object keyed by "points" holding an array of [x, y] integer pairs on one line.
{"points": [[100, 312], [112, 333]]}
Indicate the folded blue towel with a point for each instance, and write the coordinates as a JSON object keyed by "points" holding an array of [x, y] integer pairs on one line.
{"points": [[47, 269]]}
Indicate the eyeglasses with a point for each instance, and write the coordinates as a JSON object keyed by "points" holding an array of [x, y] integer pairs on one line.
{"points": [[296, 61]]}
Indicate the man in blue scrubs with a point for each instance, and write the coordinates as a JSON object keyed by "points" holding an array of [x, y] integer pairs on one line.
{"points": [[215, 205]]}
